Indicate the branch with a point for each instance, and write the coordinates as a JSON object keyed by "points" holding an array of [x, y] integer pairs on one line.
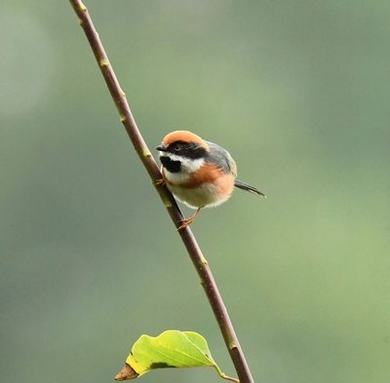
{"points": [[194, 251]]}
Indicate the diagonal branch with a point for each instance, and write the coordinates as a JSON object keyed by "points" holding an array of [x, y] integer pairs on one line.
{"points": [[194, 251]]}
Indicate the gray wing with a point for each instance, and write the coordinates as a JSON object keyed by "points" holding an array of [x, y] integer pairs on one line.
{"points": [[218, 155]]}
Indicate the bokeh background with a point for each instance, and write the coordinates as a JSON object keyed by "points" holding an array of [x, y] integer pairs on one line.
{"points": [[298, 92]]}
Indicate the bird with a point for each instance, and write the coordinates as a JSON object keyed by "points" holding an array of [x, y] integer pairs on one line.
{"points": [[199, 173]]}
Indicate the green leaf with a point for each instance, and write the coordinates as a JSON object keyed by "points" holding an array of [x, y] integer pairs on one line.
{"points": [[170, 349]]}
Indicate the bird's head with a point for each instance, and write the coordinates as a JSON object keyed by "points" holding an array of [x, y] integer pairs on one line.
{"points": [[182, 151]]}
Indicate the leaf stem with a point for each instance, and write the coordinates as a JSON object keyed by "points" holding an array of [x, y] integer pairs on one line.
{"points": [[224, 376], [193, 249]]}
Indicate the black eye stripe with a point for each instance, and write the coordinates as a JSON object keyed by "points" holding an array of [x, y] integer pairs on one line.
{"points": [[187, 149], [177, 145]]}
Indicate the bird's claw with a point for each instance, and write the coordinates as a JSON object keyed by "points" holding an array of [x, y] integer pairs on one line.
{"points": [[185, 223], [159, 182], [188, 221]]}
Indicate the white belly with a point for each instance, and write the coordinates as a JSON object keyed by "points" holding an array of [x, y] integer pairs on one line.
{"points": [[203, 196]]}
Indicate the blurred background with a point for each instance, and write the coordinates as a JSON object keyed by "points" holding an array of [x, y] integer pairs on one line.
{"points": [[297, 91]]}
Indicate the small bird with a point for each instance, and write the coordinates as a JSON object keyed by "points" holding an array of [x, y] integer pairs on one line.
{"points": [[199, 173]]}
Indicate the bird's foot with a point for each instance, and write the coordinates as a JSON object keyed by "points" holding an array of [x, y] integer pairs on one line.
{"points": [[185, 222], [188, 221], [159, 182]]}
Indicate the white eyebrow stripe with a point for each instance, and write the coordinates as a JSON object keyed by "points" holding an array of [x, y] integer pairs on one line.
{"points": [[172, 156]]}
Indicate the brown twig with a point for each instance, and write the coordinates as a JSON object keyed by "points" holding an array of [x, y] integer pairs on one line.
{"points": [[194, 251]]}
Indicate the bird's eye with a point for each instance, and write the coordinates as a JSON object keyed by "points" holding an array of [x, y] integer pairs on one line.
{"points": [[176, 148]]}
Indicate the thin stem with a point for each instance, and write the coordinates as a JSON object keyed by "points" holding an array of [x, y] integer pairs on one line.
{"points": [[194, 251], [224, 376]]}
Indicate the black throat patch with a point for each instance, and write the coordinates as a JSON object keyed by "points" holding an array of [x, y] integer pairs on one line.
{"points": [[171, 165]]}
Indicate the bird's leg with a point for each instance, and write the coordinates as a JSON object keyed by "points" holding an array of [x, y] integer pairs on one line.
{"points": [[188, 221]]}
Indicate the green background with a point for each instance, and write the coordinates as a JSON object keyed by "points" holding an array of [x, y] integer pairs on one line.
{"points": [[298, 91]]}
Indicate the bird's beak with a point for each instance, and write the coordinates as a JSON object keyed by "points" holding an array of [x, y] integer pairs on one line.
{"points": [[161, 148]]}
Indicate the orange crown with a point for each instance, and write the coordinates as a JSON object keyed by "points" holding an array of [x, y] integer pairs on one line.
{"points": [[184, 136]]}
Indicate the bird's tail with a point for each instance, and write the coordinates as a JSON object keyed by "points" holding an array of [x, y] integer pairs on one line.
{"points": [[247, 187]]}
